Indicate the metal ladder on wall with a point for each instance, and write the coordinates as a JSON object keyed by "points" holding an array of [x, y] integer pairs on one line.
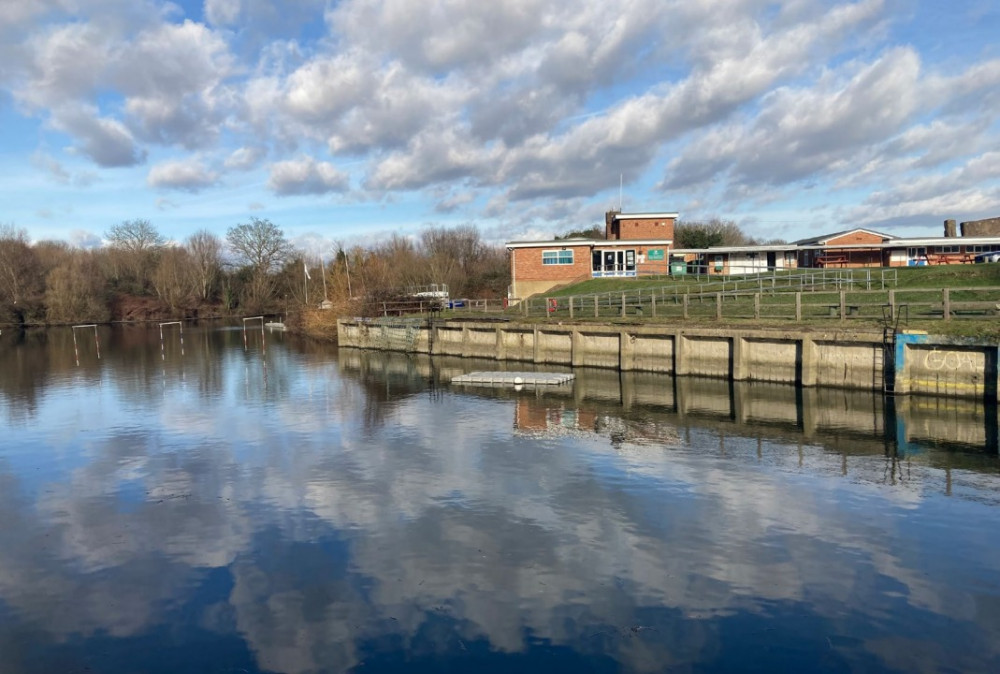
{"points": [[885, 358]]}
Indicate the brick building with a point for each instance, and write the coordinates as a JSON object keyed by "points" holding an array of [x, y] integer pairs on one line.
{"points": [[851, 248], [635, 244]]}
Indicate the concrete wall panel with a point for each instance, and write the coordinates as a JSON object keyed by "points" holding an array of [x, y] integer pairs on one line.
{"points": [[850, 365], [652, 353], [599, 349], [707, 356], [518, 344], [554, 347], [770, 360], [945, 369]]}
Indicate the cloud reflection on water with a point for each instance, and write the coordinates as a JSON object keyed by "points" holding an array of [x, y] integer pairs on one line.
{"points": [[433, 527]]}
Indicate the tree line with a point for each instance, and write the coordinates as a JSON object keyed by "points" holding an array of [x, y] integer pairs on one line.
{"points": [[254, 268]]}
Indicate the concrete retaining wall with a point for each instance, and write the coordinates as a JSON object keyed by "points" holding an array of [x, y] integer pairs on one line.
{"points": [[915, 363]]}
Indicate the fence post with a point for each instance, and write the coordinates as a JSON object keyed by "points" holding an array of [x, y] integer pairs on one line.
{"points": [[756, 306], [947, 304], [798, 306], [685, 306], [718, 306], [843, 306], [652, 300], [597, 310], [385, 312], [571, 306], [623, 305], [892, 303]]}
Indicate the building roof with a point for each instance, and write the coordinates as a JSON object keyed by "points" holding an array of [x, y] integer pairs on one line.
{"points": [[777, 247], [593, 243], [823, 238], [644, 216]]}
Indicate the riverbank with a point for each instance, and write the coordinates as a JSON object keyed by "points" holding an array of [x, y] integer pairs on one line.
{"points": [[857, 359]]}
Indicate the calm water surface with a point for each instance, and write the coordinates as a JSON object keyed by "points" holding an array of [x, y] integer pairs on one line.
{"points": [[224, 505]]}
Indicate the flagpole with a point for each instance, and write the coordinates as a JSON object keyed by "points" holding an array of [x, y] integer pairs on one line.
{"points": [[322, 264]]}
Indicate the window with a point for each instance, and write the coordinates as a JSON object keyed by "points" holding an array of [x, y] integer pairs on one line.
{"points": [[557, 257], [946, 249]]}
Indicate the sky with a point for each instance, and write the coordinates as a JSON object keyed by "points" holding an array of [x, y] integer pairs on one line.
{"points": [[356, 120]]}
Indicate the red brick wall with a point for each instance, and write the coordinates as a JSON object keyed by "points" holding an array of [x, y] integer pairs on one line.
{"points": [[854, 238], [527, 264], [642, 228]]}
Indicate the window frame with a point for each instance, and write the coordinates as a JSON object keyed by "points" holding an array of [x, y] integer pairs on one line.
{"points": [[558, 257]]}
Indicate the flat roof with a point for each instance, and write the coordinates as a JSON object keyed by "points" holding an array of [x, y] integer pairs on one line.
{"points": [[737, 249], [891, 243], [593, 243], [645, 216]]}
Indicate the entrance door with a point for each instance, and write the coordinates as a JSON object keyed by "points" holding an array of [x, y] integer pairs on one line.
{"points": [[613, 263]]}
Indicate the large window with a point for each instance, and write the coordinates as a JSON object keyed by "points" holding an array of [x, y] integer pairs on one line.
{"points": [[618, 262], [557, 257]]}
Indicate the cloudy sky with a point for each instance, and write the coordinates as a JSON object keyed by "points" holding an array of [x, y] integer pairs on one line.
{"points": [[351, 120]]}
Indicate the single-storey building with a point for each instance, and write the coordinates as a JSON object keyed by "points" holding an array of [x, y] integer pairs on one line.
{"points": [[635, 244], [641, 244], [854, 248]]}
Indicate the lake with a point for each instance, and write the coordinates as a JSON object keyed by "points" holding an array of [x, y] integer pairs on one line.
{"points": [[230, 501]]}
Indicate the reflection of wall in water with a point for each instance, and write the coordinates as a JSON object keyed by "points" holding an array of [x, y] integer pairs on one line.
{"points": [[846, 419]]}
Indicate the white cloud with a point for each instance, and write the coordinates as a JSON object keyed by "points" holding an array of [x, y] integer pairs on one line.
{"points": [[244, 158], [222, 12], [49, 164], [81, 238], [305, 175], [518, 105], [802, 131], [107, 142], [189, 175]]}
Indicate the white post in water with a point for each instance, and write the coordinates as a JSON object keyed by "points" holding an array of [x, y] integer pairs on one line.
{"points": [[97, 341], [262, 343], [163, 354]]}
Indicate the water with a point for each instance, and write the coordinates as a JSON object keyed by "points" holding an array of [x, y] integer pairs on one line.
{"points": [[279, 506]]}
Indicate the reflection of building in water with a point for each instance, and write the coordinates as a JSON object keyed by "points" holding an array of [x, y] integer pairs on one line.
{"points": [[655, 408], [534, 417]]}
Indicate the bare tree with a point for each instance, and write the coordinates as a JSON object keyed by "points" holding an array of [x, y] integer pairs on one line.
{"points": [[20, 271], [205, 249], [74, 291], [174, 278], [134, 245], [454, 256], [715, 232], [261, 248]]}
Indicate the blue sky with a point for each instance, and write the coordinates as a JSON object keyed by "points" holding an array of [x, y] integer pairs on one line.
{"points": [[351, 121]]}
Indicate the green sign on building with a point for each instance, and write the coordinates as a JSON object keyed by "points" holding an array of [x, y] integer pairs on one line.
{"points": [[655, 254]]}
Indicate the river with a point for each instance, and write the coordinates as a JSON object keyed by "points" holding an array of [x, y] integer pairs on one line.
{"points": [[244, 501]]}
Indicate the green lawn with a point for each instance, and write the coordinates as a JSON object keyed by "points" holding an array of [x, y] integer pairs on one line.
{"points": [[919, 288]]}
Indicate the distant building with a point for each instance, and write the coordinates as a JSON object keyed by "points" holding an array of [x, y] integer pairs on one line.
{"points": [[852, 248], [641, 244], [635, 244]]}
